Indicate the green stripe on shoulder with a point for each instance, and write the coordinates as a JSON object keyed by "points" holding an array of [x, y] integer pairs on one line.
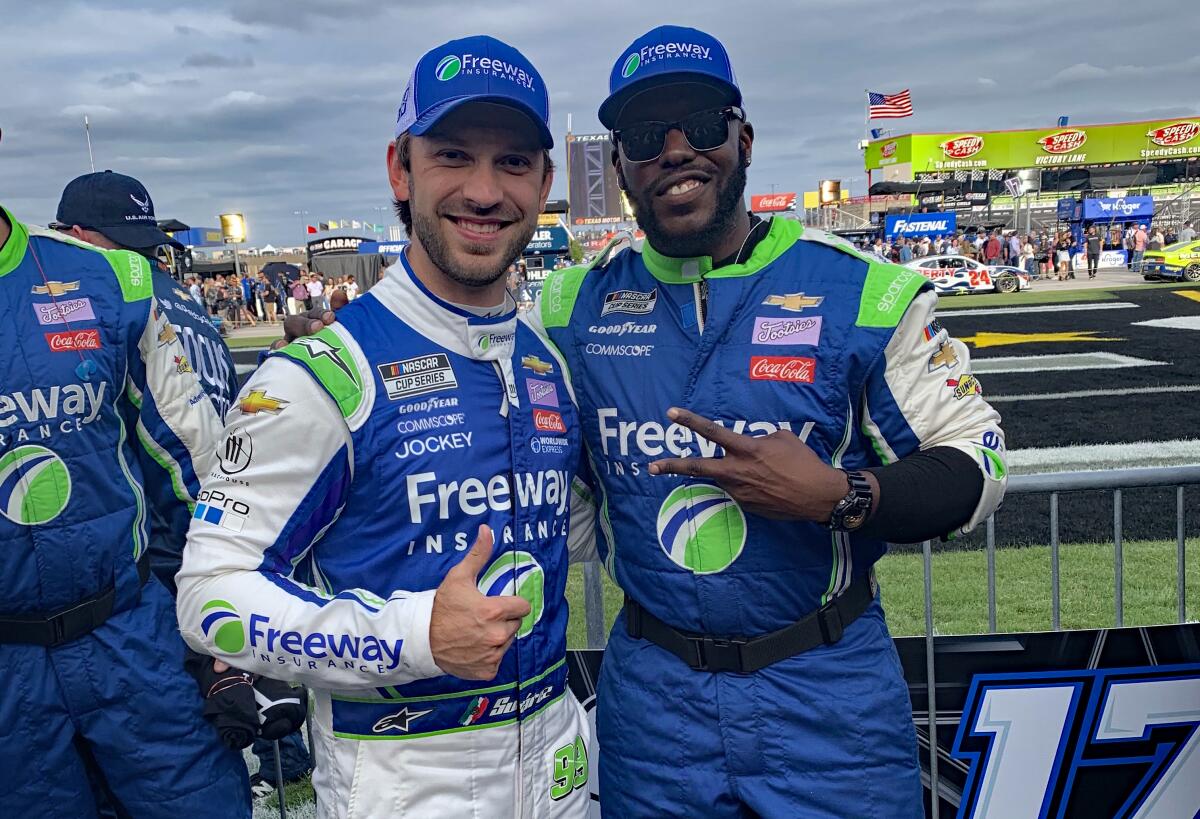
{"points": [[133, 273], [327, 358], [886, 294], [562, 288]]}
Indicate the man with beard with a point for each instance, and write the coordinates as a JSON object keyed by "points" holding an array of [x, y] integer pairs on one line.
{"points": [[435, 415], [751, 671]]}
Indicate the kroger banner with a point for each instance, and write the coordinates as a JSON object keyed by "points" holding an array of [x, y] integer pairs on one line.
{"points": [[1127, 207], [912, 225]]}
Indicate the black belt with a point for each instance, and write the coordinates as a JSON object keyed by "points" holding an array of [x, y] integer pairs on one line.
{"points": [[69, 623], [703, 652]]}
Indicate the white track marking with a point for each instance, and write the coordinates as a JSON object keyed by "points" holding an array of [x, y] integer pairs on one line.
{"points": [[1059, 396], [1060, 361], [1179, 452], [1045, 308]]}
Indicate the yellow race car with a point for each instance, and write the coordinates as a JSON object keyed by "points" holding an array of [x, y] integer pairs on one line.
{"points": [[1180, 261]]}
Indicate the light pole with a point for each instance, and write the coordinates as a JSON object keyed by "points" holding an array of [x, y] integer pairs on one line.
{"points": [[301, 215]]}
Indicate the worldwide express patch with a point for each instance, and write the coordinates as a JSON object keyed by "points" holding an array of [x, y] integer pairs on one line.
{"points": [[417, 376]]}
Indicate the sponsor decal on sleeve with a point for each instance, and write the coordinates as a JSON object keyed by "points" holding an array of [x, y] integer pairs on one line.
{"points": [[417, 376], [964, 386], [215, 507], [73, 340], [549, 421], [932, 329], [632, 302], [60, 312], [182, 365], [786, 330], [258, 401], [542, 393], [944, 358], [797, 369]]}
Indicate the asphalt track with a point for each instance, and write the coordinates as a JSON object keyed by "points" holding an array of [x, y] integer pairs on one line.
{"points": [[1092, 386], [1102, 384]]}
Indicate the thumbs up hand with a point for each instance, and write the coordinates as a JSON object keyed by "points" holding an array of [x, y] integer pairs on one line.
{"points": [[470, 632]]}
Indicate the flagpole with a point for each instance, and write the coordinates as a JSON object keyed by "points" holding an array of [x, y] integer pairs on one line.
{"points": [[87, 129]]}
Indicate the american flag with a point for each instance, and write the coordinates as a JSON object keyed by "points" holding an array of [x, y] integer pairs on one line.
{"points": [[889, 106]]}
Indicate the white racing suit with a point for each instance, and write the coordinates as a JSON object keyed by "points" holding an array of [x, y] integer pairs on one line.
{"points": [[357, 466]]}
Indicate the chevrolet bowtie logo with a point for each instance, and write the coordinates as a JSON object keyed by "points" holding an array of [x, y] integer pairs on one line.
{"points": [[183, 294], [167, 334], [795, 302], [944, 357], [55, 288], [532, 362], [258, 401]]}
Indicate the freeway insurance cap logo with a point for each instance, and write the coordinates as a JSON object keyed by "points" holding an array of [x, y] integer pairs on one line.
{"points": [[448, 67], [700, 528], [520, 574], [34, 485]]}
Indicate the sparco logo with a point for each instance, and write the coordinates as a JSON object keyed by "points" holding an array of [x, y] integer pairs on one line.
{"points": [[904, 226], [888, 300], [782, 368], [1176, 134], [962, 147], [1063, 142]]}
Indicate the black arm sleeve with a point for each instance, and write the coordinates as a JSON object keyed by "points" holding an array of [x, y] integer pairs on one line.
{"points": [[908, 512]]}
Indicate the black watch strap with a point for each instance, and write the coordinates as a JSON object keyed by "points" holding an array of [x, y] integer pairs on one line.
{"points": [[852, 511]]}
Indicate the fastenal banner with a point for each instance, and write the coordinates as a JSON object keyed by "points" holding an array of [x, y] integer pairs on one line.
{"points": [[912, 225]]}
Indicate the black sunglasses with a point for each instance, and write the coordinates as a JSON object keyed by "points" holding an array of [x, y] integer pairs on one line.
{"points": [[704, 131]]}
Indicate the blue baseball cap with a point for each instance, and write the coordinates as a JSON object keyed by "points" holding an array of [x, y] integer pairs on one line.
{"points": [[663, 56], [473, 69], [115, 205]]}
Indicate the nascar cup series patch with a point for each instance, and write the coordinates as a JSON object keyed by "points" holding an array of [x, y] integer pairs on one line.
{"points": [[517, 573], [700, 528], [34, 485]]}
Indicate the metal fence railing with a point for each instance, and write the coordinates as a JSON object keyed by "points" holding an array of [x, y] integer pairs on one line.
{"points": [[1054, 484]]}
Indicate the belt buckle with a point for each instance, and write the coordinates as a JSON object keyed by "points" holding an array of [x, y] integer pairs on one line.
{"points": [[719, 654], [829, 618], [68, 622]]}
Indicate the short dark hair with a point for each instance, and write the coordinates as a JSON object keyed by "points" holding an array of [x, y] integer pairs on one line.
{"points": [[404, 157]]}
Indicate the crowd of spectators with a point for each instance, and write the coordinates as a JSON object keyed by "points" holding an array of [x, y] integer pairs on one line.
{"points": [[250, 299]]}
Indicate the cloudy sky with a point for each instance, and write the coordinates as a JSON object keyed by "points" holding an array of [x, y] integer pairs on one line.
{"points": [[274, 106]]}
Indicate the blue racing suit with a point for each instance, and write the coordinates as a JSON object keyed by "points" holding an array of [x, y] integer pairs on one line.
{"points": [[806, 337], [319, 563], [100, 416]]}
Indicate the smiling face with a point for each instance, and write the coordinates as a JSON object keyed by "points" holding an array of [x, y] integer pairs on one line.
{"points": [[687, 201], [475, 185]]}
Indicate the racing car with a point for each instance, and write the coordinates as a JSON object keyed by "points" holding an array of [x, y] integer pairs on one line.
{"points": [[1178, 261], [960, 274]]}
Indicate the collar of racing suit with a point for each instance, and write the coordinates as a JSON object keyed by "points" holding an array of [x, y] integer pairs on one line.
{"points": [[485, 338], [669, 270], [14, 249]]}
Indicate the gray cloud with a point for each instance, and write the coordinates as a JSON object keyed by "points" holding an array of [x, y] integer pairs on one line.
{"points": [[306, 129], [207, 59]]}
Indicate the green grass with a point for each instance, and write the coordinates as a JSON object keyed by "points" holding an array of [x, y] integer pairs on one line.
{"points": [[251, 341], [1022, 589], [296, 795], [1032, 297]]}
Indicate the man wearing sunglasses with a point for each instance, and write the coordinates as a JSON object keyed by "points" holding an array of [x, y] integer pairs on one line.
{"points": [[751, 671]]}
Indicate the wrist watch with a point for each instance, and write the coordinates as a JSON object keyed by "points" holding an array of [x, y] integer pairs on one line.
{"points": [[852, 511]]}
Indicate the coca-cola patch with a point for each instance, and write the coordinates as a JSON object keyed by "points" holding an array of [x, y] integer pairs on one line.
{"points": [[72, 340], [548, 421], [1175, 134], [782, 368]]}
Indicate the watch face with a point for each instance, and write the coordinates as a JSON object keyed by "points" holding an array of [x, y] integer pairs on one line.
{"points": [[853, 521]]}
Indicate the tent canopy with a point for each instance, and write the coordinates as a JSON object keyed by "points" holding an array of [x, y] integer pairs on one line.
{"points": [[897, 188]]}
